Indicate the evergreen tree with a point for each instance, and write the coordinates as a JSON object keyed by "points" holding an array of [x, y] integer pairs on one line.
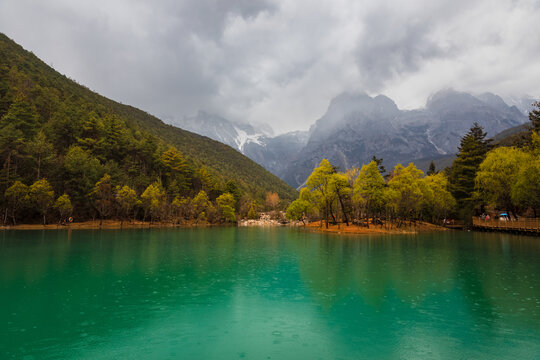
{"points": [[379, 162], [11, 141], [472, 151], [41, 151], [23, 115], [226, 207], [431, 170], [232, 188], [177, 172]]}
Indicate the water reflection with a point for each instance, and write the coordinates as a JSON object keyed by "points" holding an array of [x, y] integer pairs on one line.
{"points": [[85, 287]]}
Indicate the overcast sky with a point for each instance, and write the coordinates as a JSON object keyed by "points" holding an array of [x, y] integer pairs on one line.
{"points": [[280, 61]]}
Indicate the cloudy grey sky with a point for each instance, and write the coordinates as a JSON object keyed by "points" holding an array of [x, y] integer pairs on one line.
{"points": [[281, 61]]}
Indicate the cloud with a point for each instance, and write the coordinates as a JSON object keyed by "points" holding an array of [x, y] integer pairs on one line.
{"points": [[280, 61]]}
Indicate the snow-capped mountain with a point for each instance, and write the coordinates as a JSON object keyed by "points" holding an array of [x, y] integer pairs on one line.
{"points": [[215, 127], [357, 126]]}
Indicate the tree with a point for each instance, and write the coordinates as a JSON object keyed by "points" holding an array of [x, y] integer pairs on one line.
{"points": [[153, 200], [22, 114], [42, 195], [440, 201], [181, 207], [226, 207], [272, 200], [300, 208], [103, 197], [526, 187], [82, 171], [404, 190], [379, 162], [498, 174], [319, 184], [63, 206], [201, 206], [369, 189], [339, 185], [176, 171], [11, 140], [232, 188], [472, 151], [127, 200], [431, 170], [252, 213], [17, 197], [41, 150]]}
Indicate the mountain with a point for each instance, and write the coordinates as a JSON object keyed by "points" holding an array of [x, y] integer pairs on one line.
{"points": [[523, 104], [273, 152], [256, 142], [356, 127], [215, 127], [119, 139]]}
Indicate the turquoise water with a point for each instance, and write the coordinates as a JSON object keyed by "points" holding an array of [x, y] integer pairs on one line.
{"points": [[228, 293]]}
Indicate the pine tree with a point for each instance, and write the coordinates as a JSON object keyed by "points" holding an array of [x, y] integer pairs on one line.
{"points": [[431, 170], [472, 151]]}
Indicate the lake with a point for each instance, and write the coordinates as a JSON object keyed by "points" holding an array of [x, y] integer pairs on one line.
{"points": [[276, 293]]}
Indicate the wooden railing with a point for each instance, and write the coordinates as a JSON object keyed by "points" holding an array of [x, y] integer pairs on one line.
{"points": [[523, 224]]}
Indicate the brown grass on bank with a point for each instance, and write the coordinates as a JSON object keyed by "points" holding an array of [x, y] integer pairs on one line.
{"points": [[313, 226], [342, 228], [106, 224]]}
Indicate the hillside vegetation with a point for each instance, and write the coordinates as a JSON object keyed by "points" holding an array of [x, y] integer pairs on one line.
{"points": [[58, 136]]}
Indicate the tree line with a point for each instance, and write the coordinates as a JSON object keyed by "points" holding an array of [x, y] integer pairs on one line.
{"points": [[361, 194], [488, 177], [482, 177], [63, 156]]}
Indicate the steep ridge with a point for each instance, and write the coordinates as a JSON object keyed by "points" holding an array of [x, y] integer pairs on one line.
{"points": [[34, 77]]}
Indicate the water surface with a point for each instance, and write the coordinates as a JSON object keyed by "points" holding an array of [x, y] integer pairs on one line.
{"points": [[227, 293]]}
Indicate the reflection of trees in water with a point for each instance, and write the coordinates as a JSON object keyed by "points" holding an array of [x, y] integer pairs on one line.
{"points": [[54, 283], [496, 274], [501, 283], [30, 265], [375, 266]]}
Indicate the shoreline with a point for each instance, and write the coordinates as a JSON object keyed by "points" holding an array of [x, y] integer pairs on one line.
{"points": [[106, 224], [343, 229], [313, 226]]}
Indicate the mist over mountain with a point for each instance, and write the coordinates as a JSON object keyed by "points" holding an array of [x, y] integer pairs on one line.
{"points": [[236, 135], [357, 126]]}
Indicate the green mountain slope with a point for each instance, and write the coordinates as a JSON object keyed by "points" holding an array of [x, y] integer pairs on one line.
{"points": [[128, 143]]}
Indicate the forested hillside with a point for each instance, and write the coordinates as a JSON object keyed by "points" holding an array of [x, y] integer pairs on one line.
{"points": [[66, 136]]}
